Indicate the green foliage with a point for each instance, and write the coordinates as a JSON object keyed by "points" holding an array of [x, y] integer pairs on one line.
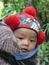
{"points": [[13, 7], [9, 9], [47, 29], [1, 0], [43, 53], [42, 6]]}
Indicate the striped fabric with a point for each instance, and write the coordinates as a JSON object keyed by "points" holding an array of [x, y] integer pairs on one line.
{"points": [[7, 42]]}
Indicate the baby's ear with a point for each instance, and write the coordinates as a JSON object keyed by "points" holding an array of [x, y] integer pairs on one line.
{"points": [[12, 21], [41, 37]]}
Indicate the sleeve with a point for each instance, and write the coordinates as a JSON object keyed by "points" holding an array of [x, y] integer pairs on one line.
{"points": [[10, 46], [8, 41]]}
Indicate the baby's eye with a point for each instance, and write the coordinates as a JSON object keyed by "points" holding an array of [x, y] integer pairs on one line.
{"points": [[32, 40], [20, 38]]}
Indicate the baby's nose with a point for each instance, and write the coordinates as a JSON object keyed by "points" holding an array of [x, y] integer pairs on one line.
{"points": [[26, 42]]}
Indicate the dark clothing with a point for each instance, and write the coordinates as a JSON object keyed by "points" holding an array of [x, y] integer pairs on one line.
{"points": [[7, 57]]}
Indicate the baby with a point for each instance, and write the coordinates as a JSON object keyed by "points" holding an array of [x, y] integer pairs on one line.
{"points": [[28, 35]]}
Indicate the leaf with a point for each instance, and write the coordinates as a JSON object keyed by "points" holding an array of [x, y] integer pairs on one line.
{"points": [[46, 59]]}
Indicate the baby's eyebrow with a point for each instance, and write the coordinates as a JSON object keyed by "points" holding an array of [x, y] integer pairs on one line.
{"points": [[21, 33], [33, 37]]}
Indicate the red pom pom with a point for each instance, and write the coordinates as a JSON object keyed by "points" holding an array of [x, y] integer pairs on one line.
{"points": [[41, 37], [30, 10], [12, 21]]}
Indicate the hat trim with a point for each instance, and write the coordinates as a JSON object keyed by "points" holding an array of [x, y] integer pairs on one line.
{"points": [[26, 28]]}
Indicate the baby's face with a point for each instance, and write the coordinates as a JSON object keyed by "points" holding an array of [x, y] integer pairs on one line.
{"points": [[27, 39]]}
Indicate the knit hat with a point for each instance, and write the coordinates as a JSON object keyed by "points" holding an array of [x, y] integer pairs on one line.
{"points": [[25, 20], [30, 10]]}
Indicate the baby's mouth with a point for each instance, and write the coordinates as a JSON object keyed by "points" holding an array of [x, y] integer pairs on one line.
{"points": [[24, 50]]}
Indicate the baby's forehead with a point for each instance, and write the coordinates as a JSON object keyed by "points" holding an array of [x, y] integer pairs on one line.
{"points": [[25, 32]]}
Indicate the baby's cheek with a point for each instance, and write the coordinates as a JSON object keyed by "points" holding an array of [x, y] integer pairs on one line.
{"points": [[32, 46], [19, 43]]}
